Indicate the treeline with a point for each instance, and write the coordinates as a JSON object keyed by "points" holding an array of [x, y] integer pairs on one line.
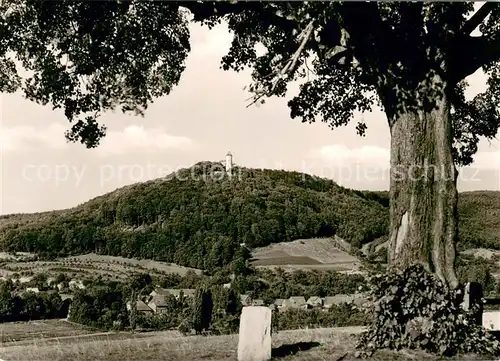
{"points": [[26, 306], [200, 221]]}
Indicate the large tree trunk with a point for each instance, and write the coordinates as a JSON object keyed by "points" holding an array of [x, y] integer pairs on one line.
{"points": [[423, 193]]}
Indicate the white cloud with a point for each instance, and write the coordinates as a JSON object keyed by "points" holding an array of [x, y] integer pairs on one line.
{"points": [[28, 138], [132, 139], [137, 139], [340, 155], [379, 158], [216, 42], [487, 160]]}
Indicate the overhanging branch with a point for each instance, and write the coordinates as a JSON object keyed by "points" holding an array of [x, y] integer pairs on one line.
{"points": [[289, 67], [478, 17], [371, 39], [470, 54], [204, 10]]}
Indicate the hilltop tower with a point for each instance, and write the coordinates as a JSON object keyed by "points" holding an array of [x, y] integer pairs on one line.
{"points": [[229, 162]]}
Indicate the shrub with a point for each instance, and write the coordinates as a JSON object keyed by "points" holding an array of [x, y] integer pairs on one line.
{"points": [[413, 309], [202, 309], [338, 316]]}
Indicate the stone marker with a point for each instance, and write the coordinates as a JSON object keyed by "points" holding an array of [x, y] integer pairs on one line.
{"points": [[255, 334], [473, 297]]}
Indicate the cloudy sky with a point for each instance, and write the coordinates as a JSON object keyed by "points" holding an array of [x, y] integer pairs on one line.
{"points": [[202, 119]]}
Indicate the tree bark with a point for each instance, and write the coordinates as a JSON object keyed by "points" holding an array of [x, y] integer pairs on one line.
{"points": [[423, 192]]}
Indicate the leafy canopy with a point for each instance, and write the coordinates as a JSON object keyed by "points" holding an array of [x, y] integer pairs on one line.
{"points": [[87, 57]]}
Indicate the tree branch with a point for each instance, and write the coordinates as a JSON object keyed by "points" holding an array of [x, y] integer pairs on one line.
{"points": [[289, 67], [371, 38], [205, 10], [470, 53], [478, 17]]}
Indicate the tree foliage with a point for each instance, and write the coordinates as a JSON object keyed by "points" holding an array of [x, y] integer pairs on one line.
{"points": [[26, 306], [202, 309], [100, 306], [89, 57]]}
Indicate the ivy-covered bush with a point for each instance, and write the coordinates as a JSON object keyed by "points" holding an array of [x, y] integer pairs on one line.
{"points": [[413, 309]]}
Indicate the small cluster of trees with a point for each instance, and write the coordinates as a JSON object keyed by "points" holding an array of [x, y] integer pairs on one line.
{"points": [[16, 306], [100, 306]]}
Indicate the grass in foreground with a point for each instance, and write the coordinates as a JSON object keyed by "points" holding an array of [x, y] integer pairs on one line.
{"points": [[316, 345]]}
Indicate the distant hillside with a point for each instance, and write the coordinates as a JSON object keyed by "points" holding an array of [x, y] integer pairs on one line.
{"points": [[197, 219], [479, 218]]}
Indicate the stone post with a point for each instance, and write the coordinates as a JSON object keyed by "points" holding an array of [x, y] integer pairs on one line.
{"points": [[255, 334], [473, 297]]}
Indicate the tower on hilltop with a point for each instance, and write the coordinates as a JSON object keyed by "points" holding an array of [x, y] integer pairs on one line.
{"points": [[229, 162]]}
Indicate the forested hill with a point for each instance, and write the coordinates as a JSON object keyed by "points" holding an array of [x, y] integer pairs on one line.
{"points": [[198, 217]]}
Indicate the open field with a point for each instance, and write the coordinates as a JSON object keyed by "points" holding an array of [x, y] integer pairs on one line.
{"points": [[41, 329], [132, 262], [86, 266], [315, 253], [297, 345]]}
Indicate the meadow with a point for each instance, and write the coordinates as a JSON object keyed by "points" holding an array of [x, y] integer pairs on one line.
{"points": [[333, 344]]}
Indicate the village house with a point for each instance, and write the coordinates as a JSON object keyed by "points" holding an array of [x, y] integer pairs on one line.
{"points": [[188, 292], [159, 292], [361, 301], [315, 302], [278, 303], [24, 279], [337, 300], [141, 307], [297, 302], [158, 304], [164, 292], [76, 284]]}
